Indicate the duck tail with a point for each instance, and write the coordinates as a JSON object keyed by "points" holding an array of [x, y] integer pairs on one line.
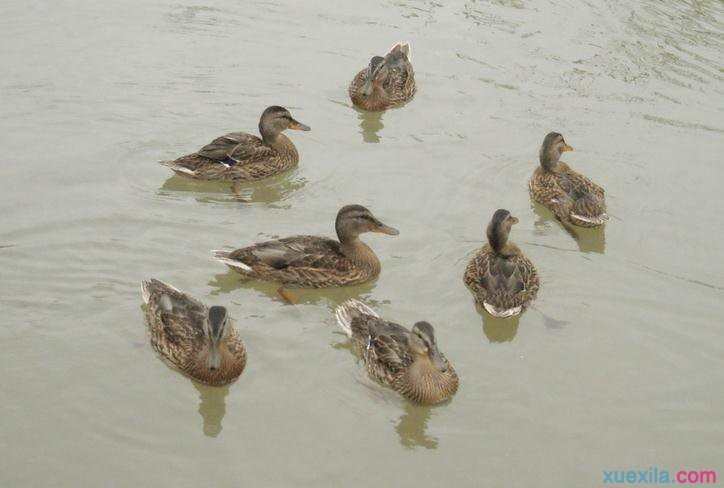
{"points": [[502, 313], [149, 287], [177, 167], [405, 47], [223, 257], [350, 309]]}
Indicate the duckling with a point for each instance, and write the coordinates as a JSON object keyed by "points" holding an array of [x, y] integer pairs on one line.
{"points": [[386, 82], [407, 361], [314, 262], [196, 340], [242, 157], [499, 276], [571, 197]]}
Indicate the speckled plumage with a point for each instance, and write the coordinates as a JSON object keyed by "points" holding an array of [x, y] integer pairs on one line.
{"points": [[384, 347], [177, 325], [499, 276], [314, 262], [392, 86]]}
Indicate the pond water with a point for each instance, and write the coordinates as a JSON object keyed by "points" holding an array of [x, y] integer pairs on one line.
{"points": [[619, 364]]}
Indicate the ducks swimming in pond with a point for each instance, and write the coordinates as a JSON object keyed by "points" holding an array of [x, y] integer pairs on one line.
{"points": [[242, 157], [197, 340], [571, 197], [386, 82], [499, 276], [314, 262], [407, 361]]}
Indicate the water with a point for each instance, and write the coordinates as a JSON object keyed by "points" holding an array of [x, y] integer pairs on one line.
{"points": [[618, 365]]}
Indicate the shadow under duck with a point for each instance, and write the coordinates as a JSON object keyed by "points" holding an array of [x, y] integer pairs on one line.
{"points": [[196, 340], [241, 157], [386, 82], [499, 276], [407, 361], [314, 262], [571, 197]]}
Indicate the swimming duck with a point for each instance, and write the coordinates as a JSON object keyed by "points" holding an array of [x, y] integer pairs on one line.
{"points": [[408, 361], [242, 157], [500, 277], [572, 197], [314, 262], [386, 82], [198, 341]]}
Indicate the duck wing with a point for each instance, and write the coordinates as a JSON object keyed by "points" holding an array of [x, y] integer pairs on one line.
{"points": [[294, 252], [236, 147]]}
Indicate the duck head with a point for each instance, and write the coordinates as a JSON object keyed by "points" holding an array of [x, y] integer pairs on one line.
{"points": [[499, 229], [423, 344], [550, 152], [353, 220], [275, 120]]}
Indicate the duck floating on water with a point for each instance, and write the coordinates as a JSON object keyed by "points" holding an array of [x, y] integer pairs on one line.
{"points": [[499, 276], [386, 82], [197, 340], [242, 157], [408, 361], [572, 197]]}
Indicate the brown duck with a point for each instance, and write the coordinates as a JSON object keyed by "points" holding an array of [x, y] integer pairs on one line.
{"points": [[571, 197], [242, 157], [198, 341], [407, 361], [314, 262], [386, 82], [499, 276]]}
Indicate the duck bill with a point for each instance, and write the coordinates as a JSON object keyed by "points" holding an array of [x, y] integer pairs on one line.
{"points": [[566, 148], [214, 360], [514, 220], [367, 87], [296, 125], [386, 229]]}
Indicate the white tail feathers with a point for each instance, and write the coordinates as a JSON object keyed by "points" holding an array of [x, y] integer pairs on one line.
{"points": [[350, 309], [597, 220], [223, 257], [176, 167], [502, 313], [147, 285]]}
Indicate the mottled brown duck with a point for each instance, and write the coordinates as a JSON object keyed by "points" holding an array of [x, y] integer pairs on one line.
{"points": [[386, 82], [197, 340], [500, 277], [242, 157], [407, 361], [314, 262], [573, 198]]}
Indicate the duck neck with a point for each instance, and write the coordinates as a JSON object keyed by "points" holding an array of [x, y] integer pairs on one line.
{"points": [[360, 253], [549, 162], [498, 240]]}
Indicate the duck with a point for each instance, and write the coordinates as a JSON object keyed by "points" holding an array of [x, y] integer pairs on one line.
{"points": [[388, 81], [408, 361], [499, 276], [197, 340], [573, 198], [314, 262], [240, 157]]}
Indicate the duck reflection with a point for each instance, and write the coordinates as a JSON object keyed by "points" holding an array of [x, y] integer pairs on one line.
{"points": [[498, 329], [268, 191], [212, 407], [230, 281], [370, 124], [412, 427], [588, 239]]}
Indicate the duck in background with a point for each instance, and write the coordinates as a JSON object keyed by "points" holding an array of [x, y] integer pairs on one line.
{"points": [[386, 82]]}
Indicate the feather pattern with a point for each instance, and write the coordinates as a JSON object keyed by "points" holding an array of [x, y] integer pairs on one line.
{"points": [[177, 325], [384, 349]]}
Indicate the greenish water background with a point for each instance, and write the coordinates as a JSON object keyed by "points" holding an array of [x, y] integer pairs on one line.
{"points": [[618, 365]]}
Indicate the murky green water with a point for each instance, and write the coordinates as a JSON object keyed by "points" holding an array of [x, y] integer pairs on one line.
{"points": [[618, 365]]}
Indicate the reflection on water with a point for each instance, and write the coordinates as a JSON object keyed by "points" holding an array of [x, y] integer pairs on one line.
{"points": [[412, 427], [270, 190], [231, 281], [212, 407], [588, 239], [497, 329], [370, 124]]}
